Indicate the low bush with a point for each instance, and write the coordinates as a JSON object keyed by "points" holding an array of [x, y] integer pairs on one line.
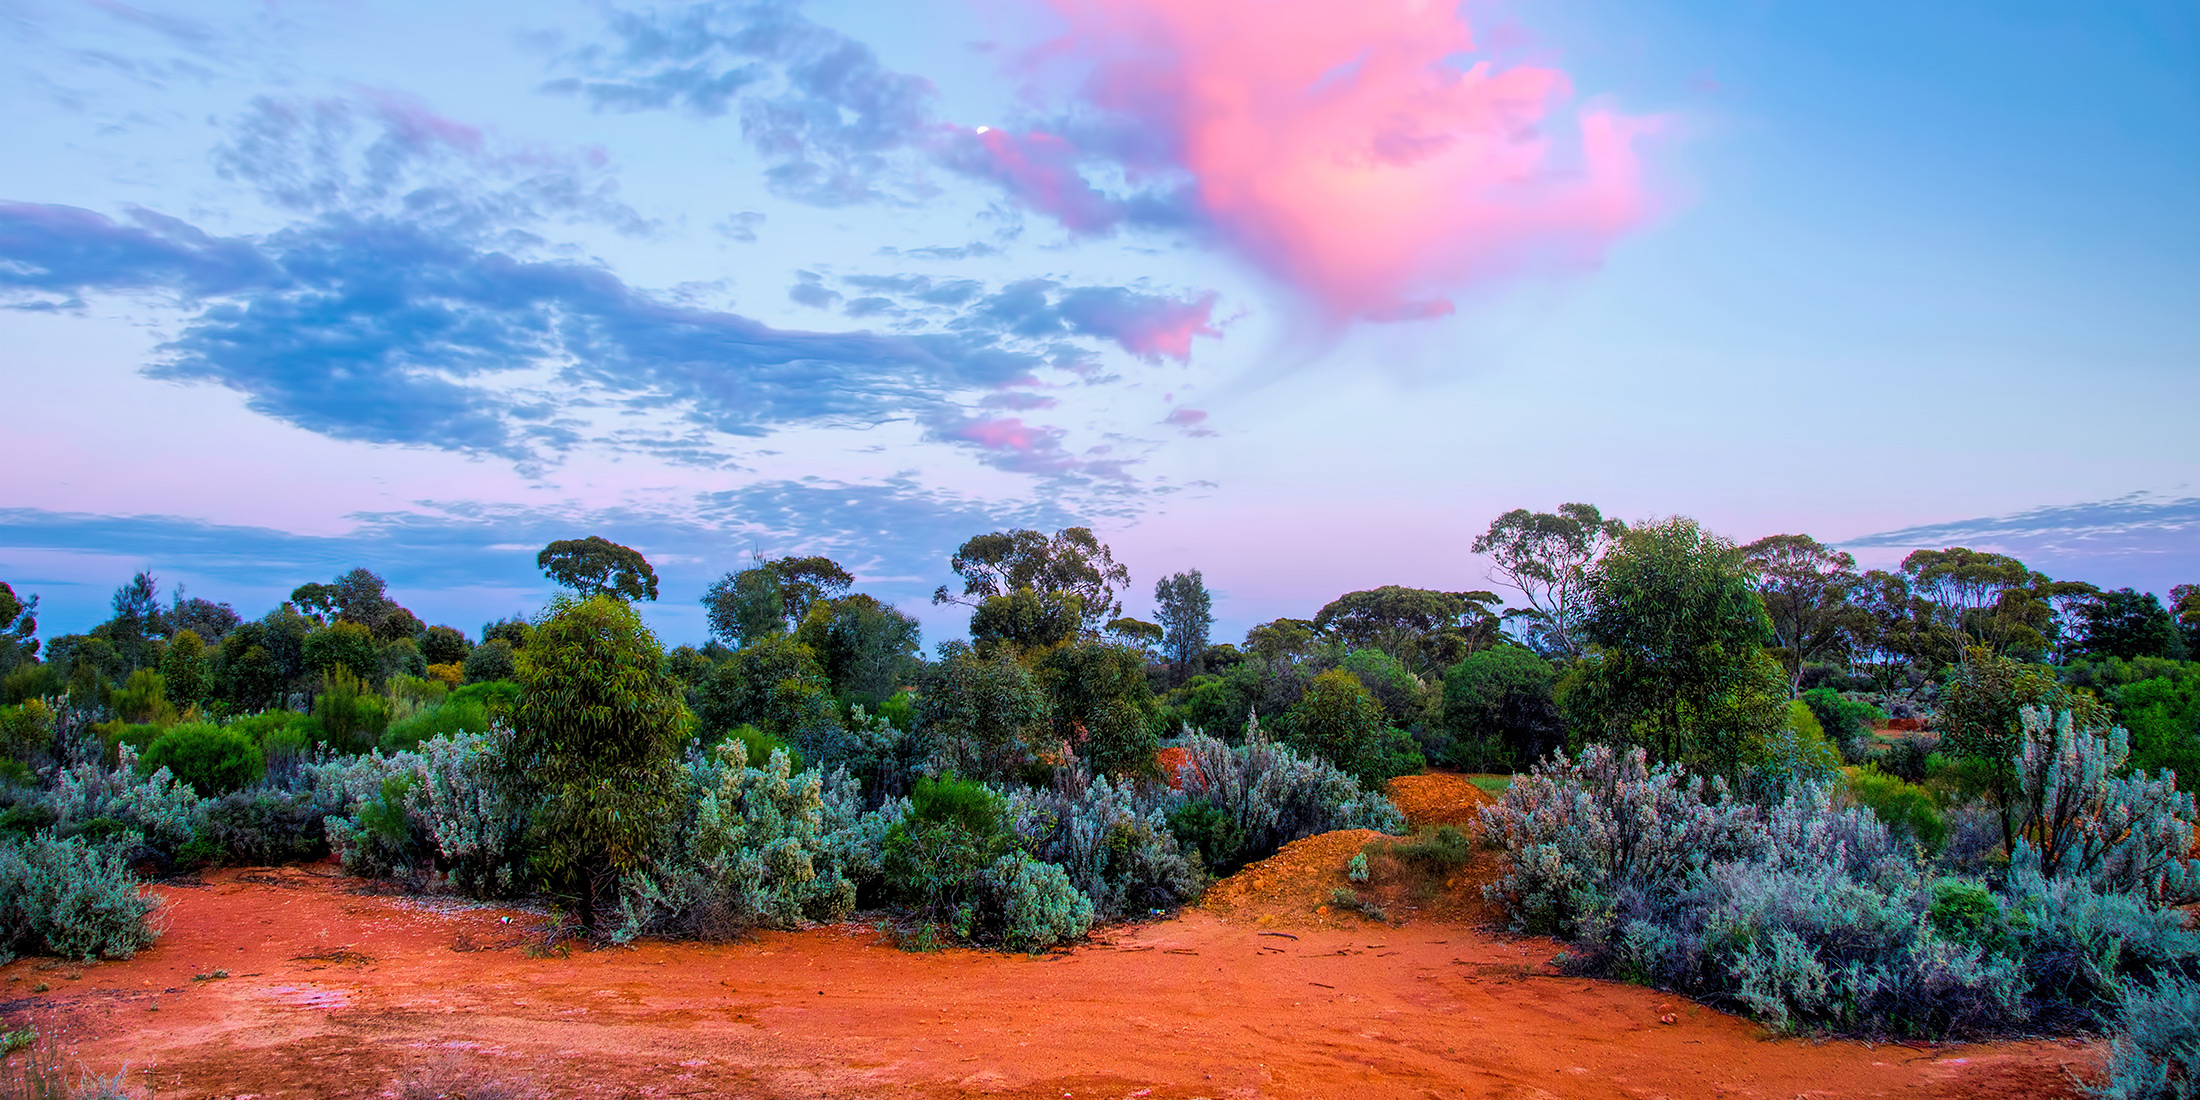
{"points": [[262, 828], [934, 856], [1116, 846], [1036, 905], [213, 760], [1909, 810], [1264, 796], [69, 898], [93, 800], [2155, 1053]]}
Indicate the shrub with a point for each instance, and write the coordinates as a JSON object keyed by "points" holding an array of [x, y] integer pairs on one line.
{"points": [[2122, 833], [451, 718], [87, 797], [1338, 721], [263, 827], [26, 729], [1846, 722], [759, 746], [1906, 808], [213, 760], [68, 898], [490, 661], [466, 815], [934, 854], [1586, 831], [1204, 829], [1116, 847], [351, 715], [1037, 906], [379, 839], [758, 852], [1269, 796], [2155, 1053]]}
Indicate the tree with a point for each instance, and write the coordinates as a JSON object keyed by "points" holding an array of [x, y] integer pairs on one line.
{"points": [[348, 644], [1338, 721], [1415, 625], [868, 648], [1677, 632], [359, 596], [1545, 557], [1025, 622], [187, 669], [1186, 610], [2184, 601], [1982, 717], [1500, 709], [1285, 640], [1986, 600], [985, 717], [771, 597], [1136, 633], [444, 645], [210, 621], [1806, 587], [596, 566], [2126, 623], [1073, 561], [592, 747], [18, 629], [1100, 702], [1894, 634]]}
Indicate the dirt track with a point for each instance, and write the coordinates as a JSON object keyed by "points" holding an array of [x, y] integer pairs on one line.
{"points": [[335, 994]]}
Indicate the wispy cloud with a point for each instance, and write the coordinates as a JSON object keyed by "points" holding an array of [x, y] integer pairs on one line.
{"points": [[2140, 535]]}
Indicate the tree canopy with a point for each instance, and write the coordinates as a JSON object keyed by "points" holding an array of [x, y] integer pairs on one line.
{"points": [[1545, 556], [596, 566], [1072, 561]]}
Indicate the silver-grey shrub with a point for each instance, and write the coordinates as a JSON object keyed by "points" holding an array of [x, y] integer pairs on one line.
{"points": [[69, 898], [1274, 796], [1111, 840], [166, 813], [1037, 905], [1591, 832], [2155, 1054], [2123, 833]]}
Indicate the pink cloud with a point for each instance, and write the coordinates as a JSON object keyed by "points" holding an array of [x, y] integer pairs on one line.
{"points": [[1189, 421], [1336, 145], [1146, 325]]}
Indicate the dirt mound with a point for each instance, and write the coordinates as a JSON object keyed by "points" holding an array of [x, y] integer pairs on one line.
{"points": [[1292, 886], [291, 985], [1438, 799]]}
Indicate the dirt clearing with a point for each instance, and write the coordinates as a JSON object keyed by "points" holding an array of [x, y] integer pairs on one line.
{"points": [[330, 993]]}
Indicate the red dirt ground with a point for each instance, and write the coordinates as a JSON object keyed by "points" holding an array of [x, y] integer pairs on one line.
{"points": [[332, 993]]}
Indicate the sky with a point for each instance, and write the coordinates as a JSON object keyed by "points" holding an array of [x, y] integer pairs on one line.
{"points": [[1298, 293]]}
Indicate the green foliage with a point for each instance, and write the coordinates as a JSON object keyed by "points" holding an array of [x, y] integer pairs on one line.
{"points": [[1845, 722], [1500, 711], [351, 716], [1025, 621], [935, 855], [492, 661], [72, 899], [981, 717], [746, 607], [1423, 629], [1678, 666], [1099, 700], [344, 645], [2075, 806], [1356, 869], [263, 827], [187, 669], [213, 760], [1969, 913], [26, 729], [756, 744], [1338, 721], [1545, 556], [143, 700], [2163, 715], [1070, 564], [1805, 585], [596, 566], [1186, 610], [1908, 809], [444, 645], [867, 649], [1261, 796], [31, 681], [591, 754], [2126, 623]]}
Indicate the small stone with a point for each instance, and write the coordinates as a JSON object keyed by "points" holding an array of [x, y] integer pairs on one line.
{"points": [[1669, 1018]]}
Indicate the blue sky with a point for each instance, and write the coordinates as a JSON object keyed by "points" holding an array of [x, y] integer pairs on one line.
{"points": [[293, 288]]}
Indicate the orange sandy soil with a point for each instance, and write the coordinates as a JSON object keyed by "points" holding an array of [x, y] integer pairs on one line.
{"points": [[333, 993]]}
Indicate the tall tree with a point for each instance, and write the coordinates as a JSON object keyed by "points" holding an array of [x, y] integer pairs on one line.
{"points": [[596, 566], [1987, 600], [2184, 602], [868, 648], [1072, 561], [1411, 624], [1186, 610], [1678, 663], [771, 597], [1545, 556], [18, 628], [2127, 623], [1806, 586], [592, 747]]}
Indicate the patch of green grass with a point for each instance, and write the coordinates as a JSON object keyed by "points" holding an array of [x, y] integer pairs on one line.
{"points": [[1492, 785]]}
